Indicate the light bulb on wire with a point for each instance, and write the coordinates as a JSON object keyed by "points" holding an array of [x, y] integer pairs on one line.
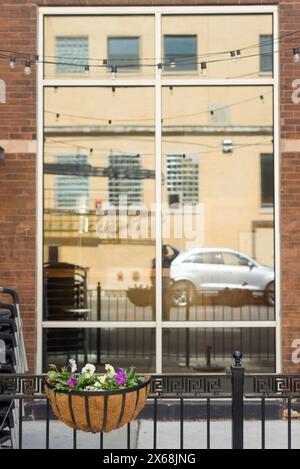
{"points": [[27, 69], [114, 72], [235, 54], [172, 63], [203, 69], [296, 54], [12, 62]]}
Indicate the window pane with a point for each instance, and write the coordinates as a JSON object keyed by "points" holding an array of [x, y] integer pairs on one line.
{"points": [[182, 179], [180, 53], [72, 189], [210, 350], [97, 38], [213, 40], [99, 204], [121, 167], [72, 52], [120, 347], [267, 180], [266, 53], [219, 203], [123, 52]]}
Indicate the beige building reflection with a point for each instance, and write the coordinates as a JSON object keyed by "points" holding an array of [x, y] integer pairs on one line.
{"points": [[217, 147]]}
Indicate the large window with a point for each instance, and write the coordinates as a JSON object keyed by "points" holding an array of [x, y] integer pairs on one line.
{"points": [[159, 196]]}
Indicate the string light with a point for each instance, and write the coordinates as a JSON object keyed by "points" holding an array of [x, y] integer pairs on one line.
{"points": [[203, 69], [235, 54], [12, 62], [260, 97], [114, 70], [296, 54], [27, 69], [172, 63]]}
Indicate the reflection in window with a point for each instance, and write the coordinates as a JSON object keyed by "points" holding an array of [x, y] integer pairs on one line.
{"points": [[267, 180], [180, 53], [229, 258], [124, 181], [123, 52], [266, 52], [72, 191], [205, 258], [72, 52], [182, 179]]}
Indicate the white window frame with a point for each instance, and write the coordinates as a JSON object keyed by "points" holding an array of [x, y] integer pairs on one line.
{"points": [[157, 83]]}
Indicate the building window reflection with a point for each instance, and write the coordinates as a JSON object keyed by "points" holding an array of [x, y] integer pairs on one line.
{"points": [[180, 53], [123, 52], [72, 52], [267, 180]]}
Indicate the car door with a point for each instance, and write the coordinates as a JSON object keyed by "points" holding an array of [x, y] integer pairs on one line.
{"points": [[207, 271], [237, 272]]}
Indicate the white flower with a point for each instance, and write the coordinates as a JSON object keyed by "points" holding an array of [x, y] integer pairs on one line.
{"points": [[110, 370], [73, 364], [89, 370], [102, 379], [97, 385]]}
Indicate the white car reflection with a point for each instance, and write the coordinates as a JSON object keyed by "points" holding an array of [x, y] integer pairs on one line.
{"points": [[217, 272]]}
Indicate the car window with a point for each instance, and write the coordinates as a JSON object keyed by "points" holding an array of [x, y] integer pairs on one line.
{"points": [[216, 258], [230, 258], [199, 258]]}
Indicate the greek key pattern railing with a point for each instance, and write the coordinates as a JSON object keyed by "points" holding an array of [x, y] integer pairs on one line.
{"points": [[168, 386], [192, 386], [164, 386], [21, 386], [272, 385]]}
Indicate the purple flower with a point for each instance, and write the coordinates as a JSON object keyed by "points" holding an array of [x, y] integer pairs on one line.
{"points": [[72, 382], [121, 377]]}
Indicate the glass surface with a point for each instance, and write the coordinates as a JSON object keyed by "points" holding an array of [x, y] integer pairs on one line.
{"points": [[267, 180], [230, 46], [119, 347], [71, 40], [123, 52], [217, 181], [218, 245], [180, 53], [210, 350], [99, 195]]}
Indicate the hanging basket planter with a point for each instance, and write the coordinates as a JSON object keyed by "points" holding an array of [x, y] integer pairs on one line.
{"points": [[97, 412], [141, 297]]}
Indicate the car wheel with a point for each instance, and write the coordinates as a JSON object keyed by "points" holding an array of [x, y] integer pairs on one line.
{"points": [[181, 292], [270, 294]]}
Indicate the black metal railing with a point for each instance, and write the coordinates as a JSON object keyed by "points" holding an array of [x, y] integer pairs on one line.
{"points": [[198, 399]]}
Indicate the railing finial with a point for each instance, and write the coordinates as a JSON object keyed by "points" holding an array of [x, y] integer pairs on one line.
{"points": [[237, 356]]}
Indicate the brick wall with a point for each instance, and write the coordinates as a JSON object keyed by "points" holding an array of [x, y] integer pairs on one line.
{"points": [[17, 172]]}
